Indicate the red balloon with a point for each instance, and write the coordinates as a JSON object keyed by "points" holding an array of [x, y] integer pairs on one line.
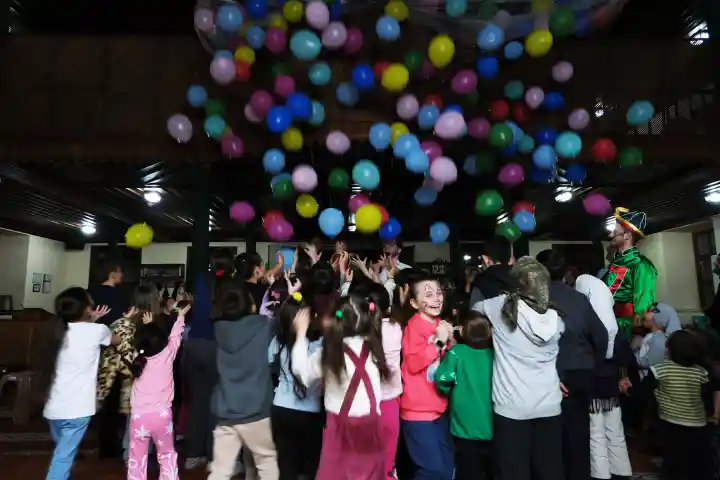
{"points": [[242, 71], [434, 99], [499, 111], [380, 67], [384, 213], [520, 113], [604, 150], [272, 216], [524, 205]]}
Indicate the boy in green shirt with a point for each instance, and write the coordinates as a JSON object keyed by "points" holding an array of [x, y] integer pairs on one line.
{"points": [[465, 374]]}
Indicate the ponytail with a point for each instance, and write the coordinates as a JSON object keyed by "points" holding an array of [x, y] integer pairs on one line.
{"points": [[138, 365]]}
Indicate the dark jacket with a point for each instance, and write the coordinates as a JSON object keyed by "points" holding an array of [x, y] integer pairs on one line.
{"points": [[584, 343], [244, 392], [493, 281]]}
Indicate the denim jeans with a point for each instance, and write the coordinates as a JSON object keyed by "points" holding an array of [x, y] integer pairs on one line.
{"points": [[67, 435]]}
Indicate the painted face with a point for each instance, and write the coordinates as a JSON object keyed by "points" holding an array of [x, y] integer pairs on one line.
{"points": [[429, 298]]}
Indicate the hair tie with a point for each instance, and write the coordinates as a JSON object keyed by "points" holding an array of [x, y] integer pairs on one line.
{"points": [[338, 313], [220, 273], [141, 352], [297, 296], [371, 306]]}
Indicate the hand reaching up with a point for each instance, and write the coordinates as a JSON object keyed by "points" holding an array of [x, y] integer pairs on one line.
{"points": [[292, 287], [147, 317], [184, 311], [132, 312], [301, 322], [99, 312]]}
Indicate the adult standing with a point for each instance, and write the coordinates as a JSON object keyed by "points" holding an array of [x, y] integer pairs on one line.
{"points": [[494, 279], [392, 249]]}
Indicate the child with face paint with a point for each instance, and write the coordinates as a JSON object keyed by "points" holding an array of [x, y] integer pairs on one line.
{"points": [[424, 424]]}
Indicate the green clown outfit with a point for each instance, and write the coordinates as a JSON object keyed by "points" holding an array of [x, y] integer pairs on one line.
{"points": [[631, 276]]}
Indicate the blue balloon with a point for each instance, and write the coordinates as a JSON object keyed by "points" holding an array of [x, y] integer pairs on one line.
{"points": [[544, 157], [456, 8], [320, 74], [514, 50], [288, 258], [256, 9], [366, 174], [278, 119], [391, 230], [417, 161], [516, 130], [318, 114], [526, 144], [582, 23], [331, 221], [541, 175], [554, 101], [439, 232], [425, 196], [640, 112], [300, 106], [546, 136], [305, 45], [509, 151], [380, 136], [575, 173], [470, 165], [336, 10], [387, 28], [229, 18], [525, 221], [453, 108], [363, 77], [274, 161], [255, 37], [197, 96], [347, 94], [405, 144], [568, 145], [214, 126], [428, 116], [280, 178], [224, 54], [490, 38], [487, 67]]}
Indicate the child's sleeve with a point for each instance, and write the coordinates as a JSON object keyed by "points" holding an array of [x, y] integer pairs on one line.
{"points": [[418, 352], [392, 345], [272, 351], [104, 335], [305, 365], [445, 375], [175, 337]]}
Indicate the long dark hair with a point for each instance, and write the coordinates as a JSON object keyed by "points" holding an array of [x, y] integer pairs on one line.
{"points": [[71, 305], [147, 300], [286, 340], [222, 267], [246, 263], [150, 339], [231, 300]]}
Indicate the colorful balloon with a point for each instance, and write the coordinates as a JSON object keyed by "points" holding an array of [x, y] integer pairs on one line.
{"points": [[464, 82], [428, 116], [578, 119], [380, 136], [545, 157], [347, 94], [284, 85], [274, 161], [534, 97], [320, 74], [639, 113], [450, 125], [525, 221], [431, 148], [357, 201], [197, 96], [417, 161], [180, 128], [501, 135], [337, 142], [280, 230], [223, 70], [304, 178], [395, 78], [368, 218], [318, 114], [604, 150], [439, 232], [562, 71], [354, 41], [366, 174], [317, 15], [524, 205], [568, 145], [231, 146], [242, 212], [278, 119], [508, 230], [487, 67], [397, 9], [387, 28], [306, 205], [490, 38], [204, 20], [488, 202], [293, 11], [338, 179], [229, 17], [397, 130], [305, 44], [275, 40], [363, 77], [443, 170], [331, 222], [405, 144], [538, 43], [300, 106], [334, 36], [214, 126], [292, 139], [597, 204], [139, 235], [511, 175], [407, 107], [390, 229], [261, 102], [425, 196], [630, 157], [441, 51]]}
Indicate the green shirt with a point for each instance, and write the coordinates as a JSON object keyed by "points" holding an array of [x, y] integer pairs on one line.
{"points": [[465, 374], [631, 278]]}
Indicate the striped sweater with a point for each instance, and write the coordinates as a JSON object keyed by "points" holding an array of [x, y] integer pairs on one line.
{"points": [[679, 393]]}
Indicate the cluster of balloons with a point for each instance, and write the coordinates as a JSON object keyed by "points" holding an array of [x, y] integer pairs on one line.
{"points": [[139, 235], [276, 226]]}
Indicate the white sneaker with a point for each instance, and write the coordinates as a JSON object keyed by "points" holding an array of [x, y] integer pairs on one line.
{"points": [[194, 462]]}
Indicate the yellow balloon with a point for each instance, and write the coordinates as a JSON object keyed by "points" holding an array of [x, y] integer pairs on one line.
{"points": [[397, 9], [538, 43], [292, 139], [395, 77], [139, 235], [306, 206], [397, 130], [293, 11], [277, 21], [541, 6], [245, 54], [368, 218], [441, 51]]}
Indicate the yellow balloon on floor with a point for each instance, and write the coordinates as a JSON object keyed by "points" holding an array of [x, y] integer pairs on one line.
{"points": [[397, 130], [293, 11], [368, 218], [441, 51], [395, 77], [245, 54], [139, 235], [538, 43], [277, 21], [292, 139], [306, 206], [397, 9]]}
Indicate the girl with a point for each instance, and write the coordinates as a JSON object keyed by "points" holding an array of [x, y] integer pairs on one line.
{"points": [[422, 409], [251, 269], [351, 364], [525, 386], [152, 395], [69, 374]]}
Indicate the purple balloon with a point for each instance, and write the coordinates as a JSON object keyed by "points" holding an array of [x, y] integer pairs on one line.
{"points": [[597, 204], [280, 230], [428, 69], [578, 119], [180, 128], [261, 102], [275, 39], [204, 20], [511, 175], [354, 41], [232, 146], [443, 170], [450, 125], [337, 142], [479, 127], [464, 82], [251, 115], [317, 15], [304, 178], [284, 85], [562, 72], [357, 201], [432, 149], [334, 36], [222, 70], [407, 107], [534, 97], [242, 212]]}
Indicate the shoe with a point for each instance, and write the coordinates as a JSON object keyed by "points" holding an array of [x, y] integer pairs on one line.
{"points": [[194, 462]]}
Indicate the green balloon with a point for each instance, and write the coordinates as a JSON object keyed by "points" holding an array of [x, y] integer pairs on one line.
{"points": [[487, 10], [472, 97], [283, 189], [514, 90], [280, 69], [338, 179], [501, 136], [485, 163], [214, 107], [508, 230], [630, 157], [488, 202], [562, 22], [413, 61]]}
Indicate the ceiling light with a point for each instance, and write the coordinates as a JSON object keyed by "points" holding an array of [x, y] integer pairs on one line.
{"points": [[152, 197], [466, 257], [713, 197], [610, 223], [564, 196], [88, 229]]}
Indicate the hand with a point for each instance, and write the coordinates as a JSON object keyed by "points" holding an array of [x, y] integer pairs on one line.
{"points": [[313, 253], [563, 389], [349, 276], [279, 259], [99, 312], [344, 262], [269, 278], [301, 322], [390, 264], [340, 248], [147, 317], [624, 385], [184, 311], [403, 292], [292, 287], [442, 333], [132, 312], [361, 265]]}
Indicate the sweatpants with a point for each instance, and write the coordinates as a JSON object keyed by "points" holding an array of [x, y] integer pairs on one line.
{"points": [[528, 449], [390, 420], [256, 437], [298, 439], [201, 375], [430, 448], [687, 452], [473, 459], [157, 426], [576, 424], [608, 450]]}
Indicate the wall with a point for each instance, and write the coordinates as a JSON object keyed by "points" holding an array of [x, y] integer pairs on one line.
{"points": [[44, 256], [13, 261]]}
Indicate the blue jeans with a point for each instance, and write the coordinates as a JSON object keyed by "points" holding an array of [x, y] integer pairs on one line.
{"points": [[67, 435], [430, 447]]}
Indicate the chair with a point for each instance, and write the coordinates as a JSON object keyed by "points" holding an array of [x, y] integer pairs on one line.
{"points": [[25, 399]]}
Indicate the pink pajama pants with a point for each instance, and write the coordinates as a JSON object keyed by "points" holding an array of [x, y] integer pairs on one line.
{"points": [[159, 428], [390, 421]]}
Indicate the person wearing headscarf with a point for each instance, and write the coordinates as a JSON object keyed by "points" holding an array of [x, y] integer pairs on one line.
{"points": [[662, 320], [526, 388]]}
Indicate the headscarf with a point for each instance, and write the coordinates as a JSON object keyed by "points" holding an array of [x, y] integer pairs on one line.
{"points": [[532, 282], [666, 318], [602, 302]]}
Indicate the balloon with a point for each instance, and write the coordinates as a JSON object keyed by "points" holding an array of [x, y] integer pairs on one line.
{"points": [[317, 15], [538, 43], [520, 112], [180, 128], [251, 115], [395, 77], [575, 173], [513, 50], [604, 150], [511, 175], [277, 21], [300, 106], [554, 101], [405, 144], [139, 235], [465, 81], [288, 258], [242, 71], [366, 174], [514, 90], [487, 67], [274, 161], [272, 216], [347, 94], [562, 72], [354, 41], [256, 9], [490, 38], [357, 201], [318, 114], [443, 170], [534, 97], [508, 230], [390, 229], [331, 220], [413, 60], [278, 119], [434, 100], [214, 126], [304, 178], [417, 161], [242, 212], [284, 85], [578, 119], [334, 36], [292, 139], [244, 54], [223, 54], [306, 205], [397, 130], [255, 37], [499, 110], [283, 189], [441, 51], [380, 67], [479, 128], [488, 202], [630, 157], [456, 8], [425, 196], [214, 107], [562, 22], [197, 96], [450, 125], [387, 28], [546, 136], [305, 45], [368, 218], [428, 116], [280, 230], [380, 136], [320, 74], [363, 77], [568, 145], [275, 40], [293, 11], [501, 135], [204, 20], [383, 213], [338, 179], [427, 69], [397, 9], [431, 149], [222, 70], [524, 205], [541, 175], [526, 144], [454, 108], [597, 204], [525, 221], [545, 157], [232, 146], [407, 106], [640, 112], [337, 142], [261, 102], [439, 232], [229, 17]]}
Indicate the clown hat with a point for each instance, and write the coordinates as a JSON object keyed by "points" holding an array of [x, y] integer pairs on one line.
{"points": [[634, 221]]}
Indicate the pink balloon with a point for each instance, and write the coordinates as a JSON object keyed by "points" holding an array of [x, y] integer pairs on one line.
{"points": [[251, 115], [562, 72], [232, 146], [534, 97], [242, 212], [204, 20], [443, 170], [280, 230], [337, 142], [222, 70], [479, 127], [304, 178], [465, 81], [357, 201], [427, 69], [597, 204], [354, 41], [578, 119], [284, 85], [432, 149], [450, 125], [261, 102], [511, 175], [407, 107], [275, 39], [334, 36], [317, 15], [180, 128]]}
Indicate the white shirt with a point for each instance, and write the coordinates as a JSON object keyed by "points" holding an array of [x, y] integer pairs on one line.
{"points": [[384, 274], [309, 368], [72, 394], [602, 302]]}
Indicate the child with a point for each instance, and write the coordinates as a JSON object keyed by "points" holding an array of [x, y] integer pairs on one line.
{"points": [[423, 423], [152, 395], [243, 396], [466, 372], [351, 364], [70, 374]]}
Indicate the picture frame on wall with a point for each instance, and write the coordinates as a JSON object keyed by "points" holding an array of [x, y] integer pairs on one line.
{"points": [[36, 288]]}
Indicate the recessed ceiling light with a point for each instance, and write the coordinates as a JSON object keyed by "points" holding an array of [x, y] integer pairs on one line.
{"points": [[466, 257], [88, 229], [564, 196], [152, 197], [713, 197]]}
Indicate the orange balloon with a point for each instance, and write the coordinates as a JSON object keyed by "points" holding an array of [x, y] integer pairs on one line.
{"points": [[384, 213], [242, 71]]}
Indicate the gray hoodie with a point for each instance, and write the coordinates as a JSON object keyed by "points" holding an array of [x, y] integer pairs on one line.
{"points": [[244, 391]]}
